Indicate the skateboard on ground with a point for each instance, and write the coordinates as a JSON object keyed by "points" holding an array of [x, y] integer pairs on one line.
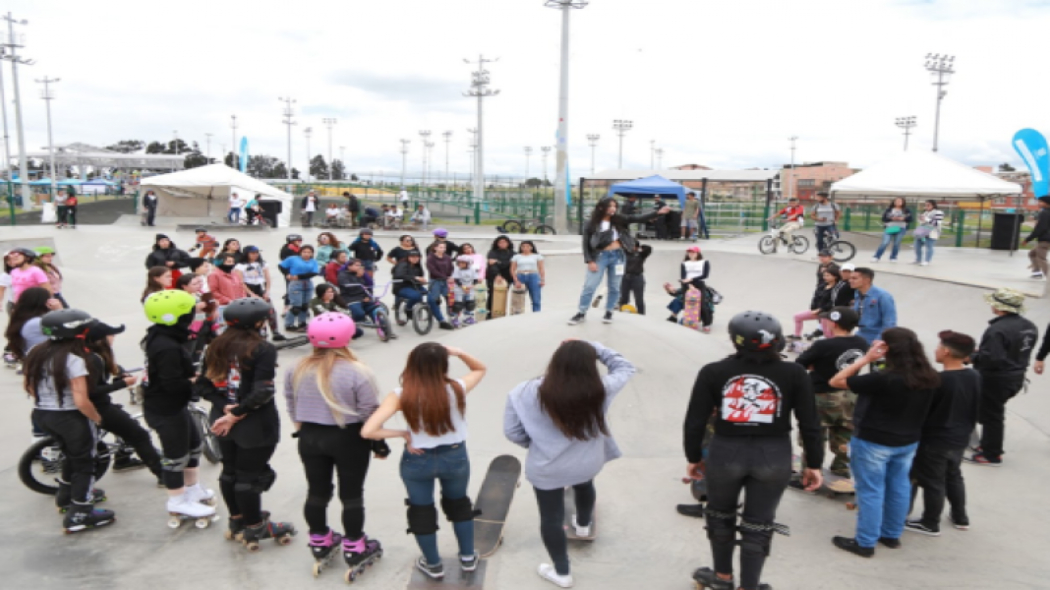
{"points": [[517, 301], [570, 511], [493, 503], [691, 313], [834, 487], [498, 301], [481, 298]]}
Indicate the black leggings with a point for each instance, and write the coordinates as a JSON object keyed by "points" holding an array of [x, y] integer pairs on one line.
{"points": [[246, 474], [552, 519], [760, 466], [324, 449], [120, 423], [76, 436], [633, 284], [181, 443], [272, 320]]}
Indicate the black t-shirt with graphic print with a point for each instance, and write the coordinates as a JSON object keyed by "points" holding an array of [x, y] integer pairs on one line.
{"points": [[753, 399], [829, 356]]}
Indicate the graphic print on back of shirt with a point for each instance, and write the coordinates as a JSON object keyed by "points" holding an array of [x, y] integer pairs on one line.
{"points": [[848, 358], [750, 399]]}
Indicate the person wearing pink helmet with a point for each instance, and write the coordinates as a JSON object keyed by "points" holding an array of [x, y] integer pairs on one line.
{"points": [[330, 394]]}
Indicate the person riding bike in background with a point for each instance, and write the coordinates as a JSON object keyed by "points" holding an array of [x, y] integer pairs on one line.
{"points": [[793, 214]]}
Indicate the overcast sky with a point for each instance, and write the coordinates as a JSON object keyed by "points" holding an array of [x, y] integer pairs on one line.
{"points": [[717, 83]]}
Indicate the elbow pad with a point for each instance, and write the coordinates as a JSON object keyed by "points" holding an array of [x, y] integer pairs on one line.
{"points": [[261, 394]]}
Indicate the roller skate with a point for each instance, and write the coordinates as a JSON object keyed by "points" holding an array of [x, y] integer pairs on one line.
{"points": [[11, 361], [195, 493], [235, 532], [705, 578], [360, 555], [64, 497], [84, 516], [470, 321], [280, 532], [455, 322], [182, 507], [324, 547]]}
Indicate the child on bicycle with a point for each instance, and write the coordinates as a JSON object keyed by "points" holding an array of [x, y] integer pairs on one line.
{"points": [[464, 276], [357, 289], [793, 214]]}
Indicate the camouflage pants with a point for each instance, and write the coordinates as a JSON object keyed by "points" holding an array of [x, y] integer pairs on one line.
{"points": [[835, 410]]}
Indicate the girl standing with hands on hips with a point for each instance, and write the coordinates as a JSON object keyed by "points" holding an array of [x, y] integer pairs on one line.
{"points": [[561, 419], [434, 406]]}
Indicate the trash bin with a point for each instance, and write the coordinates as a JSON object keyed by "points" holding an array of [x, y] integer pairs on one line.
{"points": [[1006, 230], [270, 211]]}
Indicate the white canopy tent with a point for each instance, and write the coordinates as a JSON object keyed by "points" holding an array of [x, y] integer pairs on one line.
{"points": [[920, 173], [205, 192]]}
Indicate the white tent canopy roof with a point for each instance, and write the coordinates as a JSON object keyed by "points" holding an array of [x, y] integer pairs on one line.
{"points": [[204, 192], [921, 173]]}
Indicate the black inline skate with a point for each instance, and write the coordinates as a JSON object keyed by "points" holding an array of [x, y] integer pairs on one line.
{"points": [[324, 548], [235, 532], [64, 496], [360, 555]]}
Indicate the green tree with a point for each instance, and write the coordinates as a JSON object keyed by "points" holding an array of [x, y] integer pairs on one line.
{"points": [[1006, 167], [534, 183], [318, 167], [279, 170], [338, 170], [263, 166], [127, 146]]}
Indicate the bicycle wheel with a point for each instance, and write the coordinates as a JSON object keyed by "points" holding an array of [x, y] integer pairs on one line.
{"points": [[399, 312], [201, 420], [292, 342], [382, 320], [422, 319], [40, 464], [842, 251], [545, 229], [512, 227], [799, 245], [767, 245]]}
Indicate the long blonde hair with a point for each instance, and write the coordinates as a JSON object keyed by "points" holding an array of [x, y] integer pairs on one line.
{"points": [[320, 365]]}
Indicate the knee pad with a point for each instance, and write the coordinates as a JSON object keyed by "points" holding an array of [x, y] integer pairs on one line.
{"points": [[296, 310], [227, 479], [458, 307], [756, 536], [195, 456], [458, 510], [175, 465], [318, 500], [256, 483], [471, 304], [422, 520], [721, 526], [357, 503]]}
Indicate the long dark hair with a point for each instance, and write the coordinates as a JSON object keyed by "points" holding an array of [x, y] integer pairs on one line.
{"points": [[48, 361], [104, 351], [893, 203], [424, 394], [598, 215], [46, 267], [500, 238], [906, 357], [32, 303], [232, 346], [152, 281], [527, 242], [572, 393]]}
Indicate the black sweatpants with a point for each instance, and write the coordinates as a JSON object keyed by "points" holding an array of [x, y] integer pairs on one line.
{"points": [[77, 437], [995, 392], [181, 443], [120, 423], [936, 470], [760, 466], [246, 474], [326, 449], [552, 520], [633, 284]]}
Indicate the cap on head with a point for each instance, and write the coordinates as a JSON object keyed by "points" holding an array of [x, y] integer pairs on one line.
{"points": [[848, 266], [366, 232], [160, 237], [1006, 300], [440, 233], [693, 249], [412, 253], [843, 317]]}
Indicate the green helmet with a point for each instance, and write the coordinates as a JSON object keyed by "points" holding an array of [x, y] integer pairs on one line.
{"points": [[166, 307], [41, 250]]}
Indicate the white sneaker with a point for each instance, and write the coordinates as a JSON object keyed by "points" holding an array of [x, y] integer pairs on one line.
{"points": [[546, 571], [893, 260], [584, 532], [924, 263], [182, 504], [874, 259], [195, 493]]}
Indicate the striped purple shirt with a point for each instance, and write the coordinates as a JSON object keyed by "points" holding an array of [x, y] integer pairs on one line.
{"points": [[352, 389]]}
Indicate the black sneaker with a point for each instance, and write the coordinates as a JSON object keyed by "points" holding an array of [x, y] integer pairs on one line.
{"points": [[890, 543], [577, 319], [446, 326], [436, 572], [963, 524], [278, 337], [693, 510], [127, 464], [850, 544], [916, 526], [982, 459], [470, 564], [705, 577], [608, 317]]}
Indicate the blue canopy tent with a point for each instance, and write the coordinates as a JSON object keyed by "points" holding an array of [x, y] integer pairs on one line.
{"points": [[650, 186]]}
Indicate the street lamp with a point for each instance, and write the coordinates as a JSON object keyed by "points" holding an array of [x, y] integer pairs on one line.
{"points": [[592, 139], [621, 127], [404, 159], [546, 152], [448, 139], [23, 165], [48, 97], [528, 156], [288, 102], [329, 123], [308, 132], [906, 123], [941, 68], [791, 179], [479, 88], [659, 158]]}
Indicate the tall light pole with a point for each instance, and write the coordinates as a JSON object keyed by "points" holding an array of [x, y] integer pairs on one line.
{"points": [[404, 159], [288, 113], [473, 149], [941, 68], [659, 158], [207, 149], [424, 139], [308, 132], [429, 160], [329, 123], [621, 127], [546, 152], [448, 138], [528, 156], [233, 126], [561, 189], [479, 89], [592, 139], [48, 97], [791, 178], [23, 166], [3, 114], [342, 161], [175, 134], [906, 123], [652, 154]]}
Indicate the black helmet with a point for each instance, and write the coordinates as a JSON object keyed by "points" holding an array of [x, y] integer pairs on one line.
{"points": [[64, 324], [246, 313], [28, 253], [756, 331], [292, 238]]}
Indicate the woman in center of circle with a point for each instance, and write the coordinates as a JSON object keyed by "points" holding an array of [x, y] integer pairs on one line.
{"points": [[527, 269], [439, 265], [561, 419], [434, 406]]}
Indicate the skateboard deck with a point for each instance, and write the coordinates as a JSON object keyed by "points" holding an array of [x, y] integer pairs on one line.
{"points": [[454, 577], [517, 301], [628, 308], [691, 313], [834, 487], [570, 511], [481, 297], [499, 299], [494, 498]]}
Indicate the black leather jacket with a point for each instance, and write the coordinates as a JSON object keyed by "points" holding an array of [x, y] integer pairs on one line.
{"points": [[592, 237], [1006, 347]]}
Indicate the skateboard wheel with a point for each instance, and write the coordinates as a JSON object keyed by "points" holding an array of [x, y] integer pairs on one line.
{"points": [[202, 523], [350, 576], [252, 546], [174, 522], [318, 568], [229, 535], [284, 540]]}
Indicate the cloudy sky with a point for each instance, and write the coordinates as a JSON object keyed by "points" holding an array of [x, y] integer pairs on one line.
{"points": [[717, 83]]}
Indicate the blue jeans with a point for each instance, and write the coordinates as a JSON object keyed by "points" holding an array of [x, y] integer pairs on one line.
{"points": [[450, 465], [886, 239], [299, 293], [607, 261], [928, 243], [437, 293], [362, 311], [883, 489], [823, 233], [532, 283], [235, 215], [412, 297]]}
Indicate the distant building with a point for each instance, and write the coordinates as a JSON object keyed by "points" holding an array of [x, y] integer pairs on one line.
{"points": [[805, 180], [691, 167]]}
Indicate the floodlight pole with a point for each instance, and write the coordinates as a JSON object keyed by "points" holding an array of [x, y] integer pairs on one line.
{"points": [[404, 159], [288, 102], [942, 67], [791, 181], [659, 158], [473, 131], [906, 123], [23, 165], [546, 152], [479, 89], [308, 132], [329, 123], [233, 127], [7, 142], [621, 127], [424, 136], [561, 188], [48, 97], [207, 149], [448, 139], [342, 161]]}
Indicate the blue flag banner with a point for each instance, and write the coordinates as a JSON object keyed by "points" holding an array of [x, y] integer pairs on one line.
{"points": [[244, 154], [1031, 145]]}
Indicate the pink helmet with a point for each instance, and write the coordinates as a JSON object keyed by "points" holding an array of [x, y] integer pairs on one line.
{"points": [[331, 330]]}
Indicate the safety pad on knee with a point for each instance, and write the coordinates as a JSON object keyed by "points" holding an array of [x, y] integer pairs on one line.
{"points": [[256, 483], [195, 456], [458, 510], [756, 536], [422, 519], [721, 526], [227, 478], [318, 500], [296, 310], [175, 465]]}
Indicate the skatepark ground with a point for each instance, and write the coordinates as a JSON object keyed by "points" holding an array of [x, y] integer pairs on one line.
{"points": [[643, 542]]}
